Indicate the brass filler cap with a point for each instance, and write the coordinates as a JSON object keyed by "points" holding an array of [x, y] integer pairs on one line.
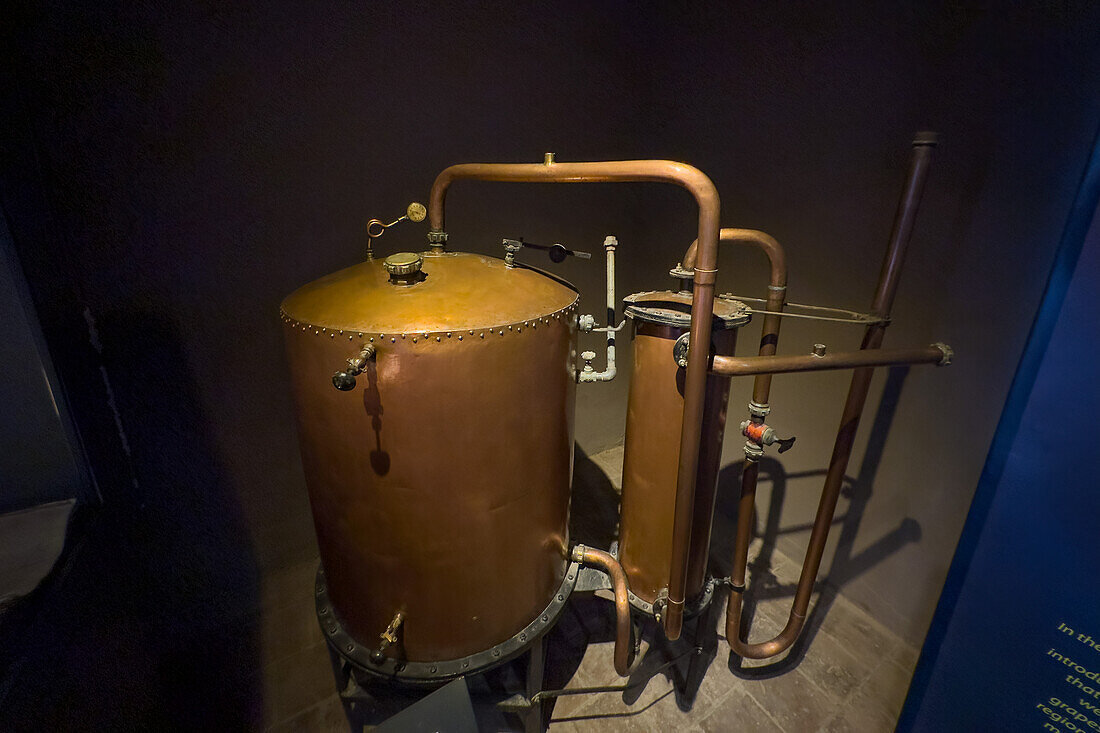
{"points": [[403, 264]]}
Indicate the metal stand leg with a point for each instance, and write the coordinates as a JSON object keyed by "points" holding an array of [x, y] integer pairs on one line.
{"points": [[536, 666]]}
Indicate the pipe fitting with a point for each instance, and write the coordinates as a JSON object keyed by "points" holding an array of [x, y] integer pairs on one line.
{"points": [[947, 351], [759, 409], [587, 323], [345, 380]]}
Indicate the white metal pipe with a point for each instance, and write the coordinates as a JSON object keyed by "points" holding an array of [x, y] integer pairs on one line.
{"points": [[609, 244]]}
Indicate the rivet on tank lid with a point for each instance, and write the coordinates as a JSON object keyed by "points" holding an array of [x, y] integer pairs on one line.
{"points": [[414, 339], [438, 339]]}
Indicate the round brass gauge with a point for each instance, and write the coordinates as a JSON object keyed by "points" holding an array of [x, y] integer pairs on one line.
{"points": [[416, 211]]}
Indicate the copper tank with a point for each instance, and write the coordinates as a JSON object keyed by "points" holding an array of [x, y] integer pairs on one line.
{"points": [[439, 481], [655, 409]]}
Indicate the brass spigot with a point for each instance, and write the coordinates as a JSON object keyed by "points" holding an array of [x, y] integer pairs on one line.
{"points": [[345, 380]]}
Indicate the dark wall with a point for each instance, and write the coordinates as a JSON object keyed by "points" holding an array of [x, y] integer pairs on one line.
{"points": [[171, 172]]}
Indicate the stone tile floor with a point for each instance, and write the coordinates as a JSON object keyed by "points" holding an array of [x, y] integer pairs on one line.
{"points": [[852, 674], [849, 673]]}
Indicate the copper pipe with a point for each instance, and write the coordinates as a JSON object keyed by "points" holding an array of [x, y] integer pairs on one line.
{"points": [[777, 292], [702, 310], [740, 366], [624, 632], [842, 448], [769, 340], [764, 241]]}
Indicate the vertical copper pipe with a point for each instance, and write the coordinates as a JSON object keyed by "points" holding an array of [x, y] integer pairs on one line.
{"points": [[769, 339], [842, 448], [624, 641], [706, 196]]}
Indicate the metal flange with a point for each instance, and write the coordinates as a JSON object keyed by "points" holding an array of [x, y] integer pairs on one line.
{"points": [[362, 657]]}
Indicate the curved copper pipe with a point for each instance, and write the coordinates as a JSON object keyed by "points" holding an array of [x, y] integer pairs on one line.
{"points": [[624, 643], [765, 242], [842, 447], [777, 292], [702, 311]]}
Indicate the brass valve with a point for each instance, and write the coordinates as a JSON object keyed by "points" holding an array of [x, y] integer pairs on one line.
{"points": [[345, 380], [761, 434], [588, 356], [387, 638]]}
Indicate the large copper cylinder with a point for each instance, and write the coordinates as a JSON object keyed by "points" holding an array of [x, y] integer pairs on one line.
{"points": [[651, 450], [440, 483]]}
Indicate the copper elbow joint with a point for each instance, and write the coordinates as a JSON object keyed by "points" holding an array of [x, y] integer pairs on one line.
{"points": [[624, 631]]}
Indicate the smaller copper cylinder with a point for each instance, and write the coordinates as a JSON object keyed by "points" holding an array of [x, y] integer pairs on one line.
{"points": [[651, 451]]}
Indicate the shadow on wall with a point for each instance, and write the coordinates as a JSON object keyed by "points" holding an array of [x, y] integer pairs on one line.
{"points": [[594, 507], [845, 567], [149, 621]]}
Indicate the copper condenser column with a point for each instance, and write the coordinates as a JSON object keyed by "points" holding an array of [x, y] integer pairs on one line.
{"points": [[654, 415]]}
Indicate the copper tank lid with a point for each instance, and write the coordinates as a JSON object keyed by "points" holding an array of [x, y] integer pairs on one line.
{"points": [[411, 292], [674, 309]]}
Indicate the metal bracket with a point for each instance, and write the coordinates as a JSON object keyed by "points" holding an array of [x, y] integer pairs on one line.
{"points": [[681, 348]]}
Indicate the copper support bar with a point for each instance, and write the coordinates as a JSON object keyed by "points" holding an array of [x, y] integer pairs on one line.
{"points": [[624, 642], [706, 197], [736, 366], [842, 448]]}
